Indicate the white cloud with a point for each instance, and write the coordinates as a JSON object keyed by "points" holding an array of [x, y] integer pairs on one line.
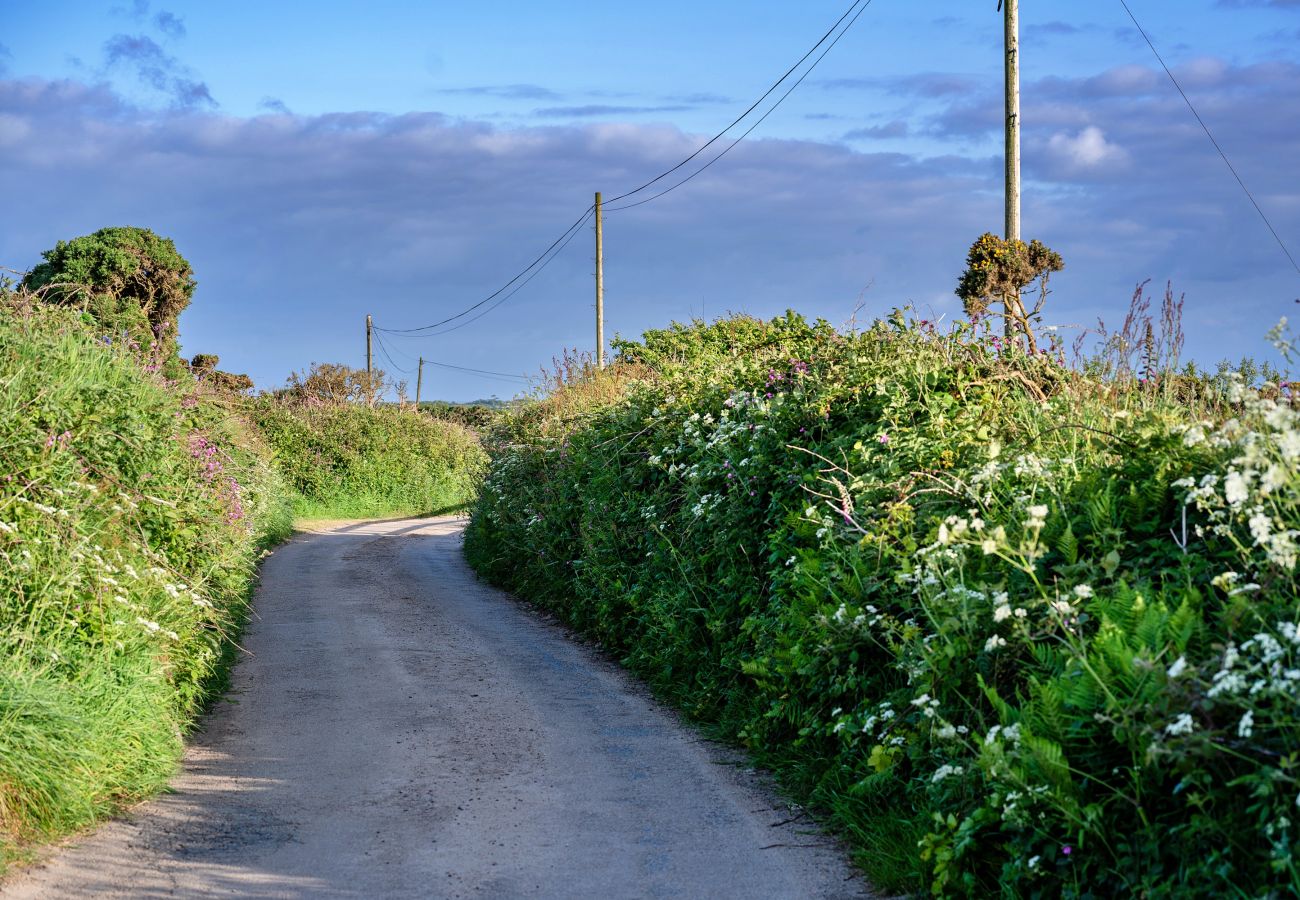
{"points": [[1085, 151]]}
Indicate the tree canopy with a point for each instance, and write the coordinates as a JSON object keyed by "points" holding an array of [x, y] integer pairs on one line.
{"points": [[132, 282]]}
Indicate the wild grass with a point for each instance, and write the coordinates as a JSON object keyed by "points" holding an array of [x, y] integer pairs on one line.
{"points": [[132, 513], [353, 461]]}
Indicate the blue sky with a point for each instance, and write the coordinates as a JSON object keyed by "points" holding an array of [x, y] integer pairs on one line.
{"points": [[318, 162]]}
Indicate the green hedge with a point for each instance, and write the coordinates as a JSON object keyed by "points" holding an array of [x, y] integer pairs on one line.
{"points": [[132, 513], [347, 460], [1014, 630]]}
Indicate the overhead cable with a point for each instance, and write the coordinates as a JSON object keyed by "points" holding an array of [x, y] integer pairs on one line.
{"points": [[758, 122], [1206, 129]]}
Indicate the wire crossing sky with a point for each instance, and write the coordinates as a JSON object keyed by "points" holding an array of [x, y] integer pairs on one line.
{"points": [[855, 10], [407, 163]]}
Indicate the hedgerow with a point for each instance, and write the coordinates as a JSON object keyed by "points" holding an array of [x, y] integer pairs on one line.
{"points": [[1014, 629], [132, 513], [351, 460]]}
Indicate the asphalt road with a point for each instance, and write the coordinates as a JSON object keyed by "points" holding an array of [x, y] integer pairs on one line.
{"points": [[399, 729]]}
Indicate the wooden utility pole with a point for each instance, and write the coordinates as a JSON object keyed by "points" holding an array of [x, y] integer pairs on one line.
{"points": [[370, 359], [419, 381], [1011, 22], [600, 287]]}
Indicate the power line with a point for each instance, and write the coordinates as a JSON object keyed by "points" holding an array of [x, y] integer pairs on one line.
{"points": [[391, 362], [747, 131], [384, 349], [429, 362], [565, 236], [1208, 134], [562, 241], [752, 107], [408, 332]]}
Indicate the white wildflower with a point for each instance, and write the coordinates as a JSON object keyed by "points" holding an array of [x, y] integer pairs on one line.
{"points": [[1246, 727], [994, 643], [1002, 613], [1178, 668], [1235, 488], [1181, 725], [944, 771]]}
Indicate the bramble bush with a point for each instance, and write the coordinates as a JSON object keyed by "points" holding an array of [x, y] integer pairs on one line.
{"points": [[1015, 629], [133, 510]]}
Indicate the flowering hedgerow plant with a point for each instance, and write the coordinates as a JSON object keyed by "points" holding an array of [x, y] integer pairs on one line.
{"points": [[967, 601], [132, 513]]}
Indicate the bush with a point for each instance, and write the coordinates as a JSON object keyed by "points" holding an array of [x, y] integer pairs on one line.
{"points": [[132, 512], [347, 460], [131, 283], [1013, 629]]}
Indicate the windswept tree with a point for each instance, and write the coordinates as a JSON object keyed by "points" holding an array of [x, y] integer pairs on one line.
{"points": [[335, 383], [204, 368], [1001, 271], [131, 282]]}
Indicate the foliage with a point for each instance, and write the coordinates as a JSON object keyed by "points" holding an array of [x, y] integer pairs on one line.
{"points": [[129, 281], [349, 460], [132, 512], [474, 416], [1000, 270], [204, 367], [334, 383], [1015, 630]]}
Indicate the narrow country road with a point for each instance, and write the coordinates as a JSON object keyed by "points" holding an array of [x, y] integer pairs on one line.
{"points": [[401, 730]]}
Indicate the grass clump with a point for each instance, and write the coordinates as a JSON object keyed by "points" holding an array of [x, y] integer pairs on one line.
{"points": [[132, 513], [351, 460], [1017, 630]]}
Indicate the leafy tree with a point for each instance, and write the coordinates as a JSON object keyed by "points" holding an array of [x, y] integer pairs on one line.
{"points": [[129, 281], [999, 270]]}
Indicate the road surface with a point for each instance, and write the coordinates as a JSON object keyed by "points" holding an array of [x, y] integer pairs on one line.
{"points": [[400, 729]]}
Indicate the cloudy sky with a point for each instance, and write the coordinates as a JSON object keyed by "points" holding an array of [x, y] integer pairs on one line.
{"points": [[320, 161]]}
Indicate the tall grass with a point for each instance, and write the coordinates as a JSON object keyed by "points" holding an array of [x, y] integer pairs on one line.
{"points": [[132, 513], [349, 460]]}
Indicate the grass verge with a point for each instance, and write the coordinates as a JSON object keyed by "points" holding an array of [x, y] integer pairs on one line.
{"points": [[132, 514]]}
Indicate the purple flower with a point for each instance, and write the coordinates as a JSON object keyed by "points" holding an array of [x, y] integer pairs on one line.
{"points": [[1067, 850], [883, 437]]}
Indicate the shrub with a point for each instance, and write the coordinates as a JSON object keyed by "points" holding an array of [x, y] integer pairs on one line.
{"points": [[129, 281], [1015, 631]]}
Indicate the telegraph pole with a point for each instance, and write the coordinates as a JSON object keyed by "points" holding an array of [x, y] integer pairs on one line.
{"points": [[419, 381], [370, 359], [1011, 40], [600, 288]]}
